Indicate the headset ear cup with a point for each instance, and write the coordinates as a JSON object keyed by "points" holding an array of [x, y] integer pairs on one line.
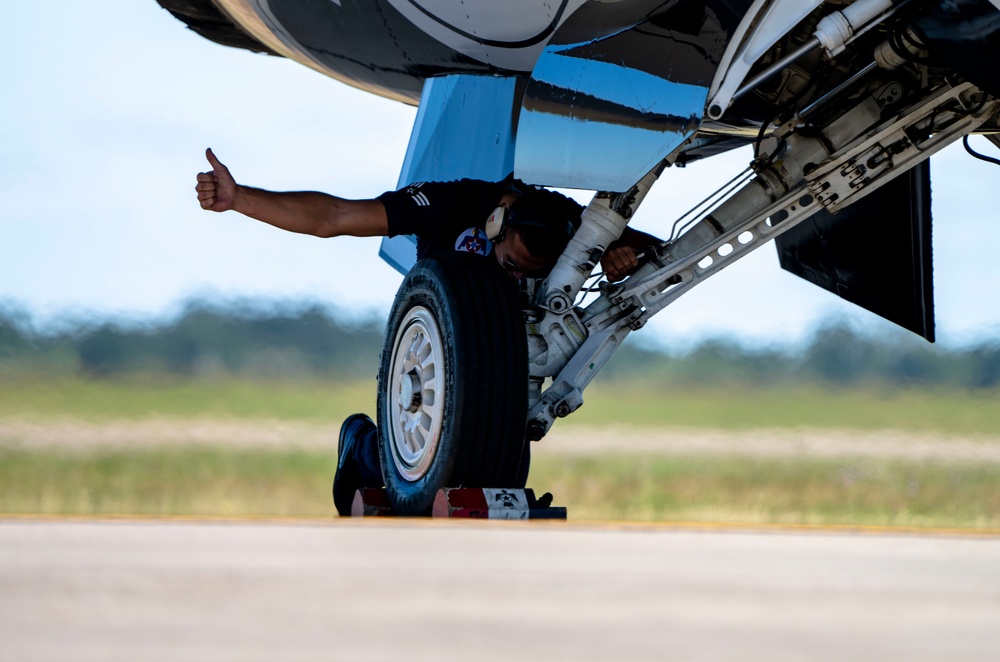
{"points": [[496, 223]]}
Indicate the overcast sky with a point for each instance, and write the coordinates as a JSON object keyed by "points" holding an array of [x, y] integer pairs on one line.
{"points": [[108, 108]]}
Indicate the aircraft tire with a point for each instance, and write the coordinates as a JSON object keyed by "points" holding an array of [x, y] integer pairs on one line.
{"points": [[452, 385]]}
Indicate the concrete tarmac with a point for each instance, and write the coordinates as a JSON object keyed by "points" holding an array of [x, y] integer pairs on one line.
{"points": [[390, 590]]}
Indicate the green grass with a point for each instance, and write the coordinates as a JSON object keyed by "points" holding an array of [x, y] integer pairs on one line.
{"points": [[309, 400], [240, 482], [167, 481], [781, 491], [952, 411], [228, 482], [739, 408]]}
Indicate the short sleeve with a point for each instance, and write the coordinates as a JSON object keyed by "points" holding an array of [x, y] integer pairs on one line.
{"points": [[440, 210]]}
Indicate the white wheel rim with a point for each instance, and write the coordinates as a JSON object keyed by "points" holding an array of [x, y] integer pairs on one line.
{"points": [[416, 393]]}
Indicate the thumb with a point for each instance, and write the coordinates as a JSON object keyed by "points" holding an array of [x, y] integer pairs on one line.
{"points": [[215, 163]]}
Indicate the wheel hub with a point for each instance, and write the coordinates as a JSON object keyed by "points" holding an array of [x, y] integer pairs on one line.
{"points": [[410, 391], [416, 393]]}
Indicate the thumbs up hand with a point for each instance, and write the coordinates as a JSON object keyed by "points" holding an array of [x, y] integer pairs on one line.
{"points": [[216, 188]]}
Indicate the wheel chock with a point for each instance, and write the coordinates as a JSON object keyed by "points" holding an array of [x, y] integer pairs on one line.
{"points": [[487, 503], [371, 502], [469, 502]]}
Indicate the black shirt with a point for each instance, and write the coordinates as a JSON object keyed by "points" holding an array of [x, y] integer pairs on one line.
{"points": [[446, 215]]}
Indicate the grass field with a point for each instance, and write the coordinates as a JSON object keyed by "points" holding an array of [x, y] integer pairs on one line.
{"points": [[232, 480], [731, 408]]}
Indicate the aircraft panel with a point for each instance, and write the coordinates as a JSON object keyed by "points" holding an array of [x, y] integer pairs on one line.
{"points": [[619, 87], [875, 253]]}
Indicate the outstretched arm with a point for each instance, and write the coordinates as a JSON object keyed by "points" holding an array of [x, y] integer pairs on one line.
{"points": [[306, 212]]}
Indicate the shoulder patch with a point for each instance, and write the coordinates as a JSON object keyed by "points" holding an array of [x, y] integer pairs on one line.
{"points": [[474, 240]]}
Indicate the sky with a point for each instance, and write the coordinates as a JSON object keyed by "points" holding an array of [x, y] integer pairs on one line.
{"points": [[105, 117]]}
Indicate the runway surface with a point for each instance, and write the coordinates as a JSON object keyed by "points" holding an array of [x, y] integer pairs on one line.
{"points": [[348, 590]]}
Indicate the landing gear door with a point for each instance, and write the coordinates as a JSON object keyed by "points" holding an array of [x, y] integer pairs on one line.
{"points": [[875, 253]]}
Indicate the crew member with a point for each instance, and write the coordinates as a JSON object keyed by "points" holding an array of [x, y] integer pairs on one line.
{"points": [[524, 228]]}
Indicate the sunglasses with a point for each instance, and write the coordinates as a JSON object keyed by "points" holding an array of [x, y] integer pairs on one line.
{"points": [[509, 265]]}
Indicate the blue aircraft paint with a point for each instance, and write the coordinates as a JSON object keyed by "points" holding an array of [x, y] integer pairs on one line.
{"points": [[463, 128], [566, 139], [620, 84], [560, 140]]}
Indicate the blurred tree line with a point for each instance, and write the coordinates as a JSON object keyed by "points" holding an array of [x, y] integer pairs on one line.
{"points": [[310, 340], [207, 339]]}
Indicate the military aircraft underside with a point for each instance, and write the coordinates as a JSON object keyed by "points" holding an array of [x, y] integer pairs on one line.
{"points": [[843, 102]]}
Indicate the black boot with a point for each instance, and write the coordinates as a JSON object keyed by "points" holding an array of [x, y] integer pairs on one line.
{"points": [[358, 442]]}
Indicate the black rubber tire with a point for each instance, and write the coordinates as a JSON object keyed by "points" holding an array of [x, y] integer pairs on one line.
{"points": [[484, 361]]}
